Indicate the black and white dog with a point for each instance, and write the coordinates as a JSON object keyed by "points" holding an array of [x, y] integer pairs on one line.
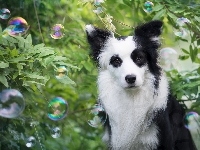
{"points": [[134, 92]]}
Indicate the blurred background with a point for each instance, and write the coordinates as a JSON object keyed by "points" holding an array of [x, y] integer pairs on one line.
{"points": [[48, 81]]}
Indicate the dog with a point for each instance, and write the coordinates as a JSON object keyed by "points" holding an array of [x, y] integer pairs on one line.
{"points": [[134, 91]]}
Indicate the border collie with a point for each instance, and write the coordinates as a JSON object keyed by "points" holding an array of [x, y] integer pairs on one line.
{"points": [[134, 91]]}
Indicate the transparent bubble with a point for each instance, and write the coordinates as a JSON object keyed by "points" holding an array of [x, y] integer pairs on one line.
{"points": [[4, 13], [148, 7], [30, 141], [97, 115], [57, 109], [17, 26], [182, 32], [55, 132], [61, 72], [57, 31], [182, 21], [98, 10], [11, 103], [192, 120], [98, 2], [168, 58]]}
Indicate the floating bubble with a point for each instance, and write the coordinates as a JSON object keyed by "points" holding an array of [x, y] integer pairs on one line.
{"points": [[98, 2], [17, 26], [57, 109], [168, 58], [148, 7], [30, 141], [98, 10], [57, 31], [182, 21], [61, 72], [4, 13], [97, 115], [11, 103], [191, 121], [181, 32], [55, 132]]}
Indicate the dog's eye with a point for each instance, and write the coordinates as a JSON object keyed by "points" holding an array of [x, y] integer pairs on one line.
{"points": [[115, 61]]}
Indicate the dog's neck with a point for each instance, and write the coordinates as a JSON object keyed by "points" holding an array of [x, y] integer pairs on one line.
{"points": [[128, 109]]}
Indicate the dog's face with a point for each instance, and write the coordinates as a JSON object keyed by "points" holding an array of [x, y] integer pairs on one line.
{"points": [[127, 58]]}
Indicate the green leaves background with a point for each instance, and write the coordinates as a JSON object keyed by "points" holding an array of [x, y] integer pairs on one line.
{"points": [[28, 64]]}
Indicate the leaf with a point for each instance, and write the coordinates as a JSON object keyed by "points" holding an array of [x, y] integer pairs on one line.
{"points": [[59, 58], [48, 60], [158, 7], [35, 76], [185, 51], [27, 45], [14, 53], [4, 65], [197, 18], [88, 66], [3, 80], [171, 15], [66, 64], [29, 39], [38, 46], [128, 3], [27, 83], [16, 60], [66, 80], [198, 70], [11, 39], [184, 57], [21, 44], [46, 53], [159, 14]]}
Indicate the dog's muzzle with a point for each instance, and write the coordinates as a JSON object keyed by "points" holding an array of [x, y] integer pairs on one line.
{"points": [[130, 79]]}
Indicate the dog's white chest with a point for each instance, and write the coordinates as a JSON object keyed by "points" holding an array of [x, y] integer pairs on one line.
{"points": [[129, 115], [129, 124]]}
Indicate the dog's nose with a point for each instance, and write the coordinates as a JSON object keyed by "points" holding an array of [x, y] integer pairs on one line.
{"points": [[130, 79]]}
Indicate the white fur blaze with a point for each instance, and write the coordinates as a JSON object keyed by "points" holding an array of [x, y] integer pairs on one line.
{"points": [[89, 28]]}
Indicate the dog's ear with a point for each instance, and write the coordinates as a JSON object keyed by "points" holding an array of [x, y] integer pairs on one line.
{"points": [[149, 30], [97, 39]]}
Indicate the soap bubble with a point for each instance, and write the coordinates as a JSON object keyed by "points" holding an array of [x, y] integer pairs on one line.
{"points": [[57, 31], [192, 120], [148, 7], [11, 103], [61, 72], [182, 32], [4, 13], [57, 109], [17, 26], [182, 21], [168, 58], [98, 2], [30, 141], [97, 115], [55, 132], [98, 10]]}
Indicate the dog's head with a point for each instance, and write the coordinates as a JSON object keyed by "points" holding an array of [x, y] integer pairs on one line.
{"points": [[127, 58]]}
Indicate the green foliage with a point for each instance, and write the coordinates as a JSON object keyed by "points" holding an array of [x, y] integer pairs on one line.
{"points": [[29, 64], [23, 64]]}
